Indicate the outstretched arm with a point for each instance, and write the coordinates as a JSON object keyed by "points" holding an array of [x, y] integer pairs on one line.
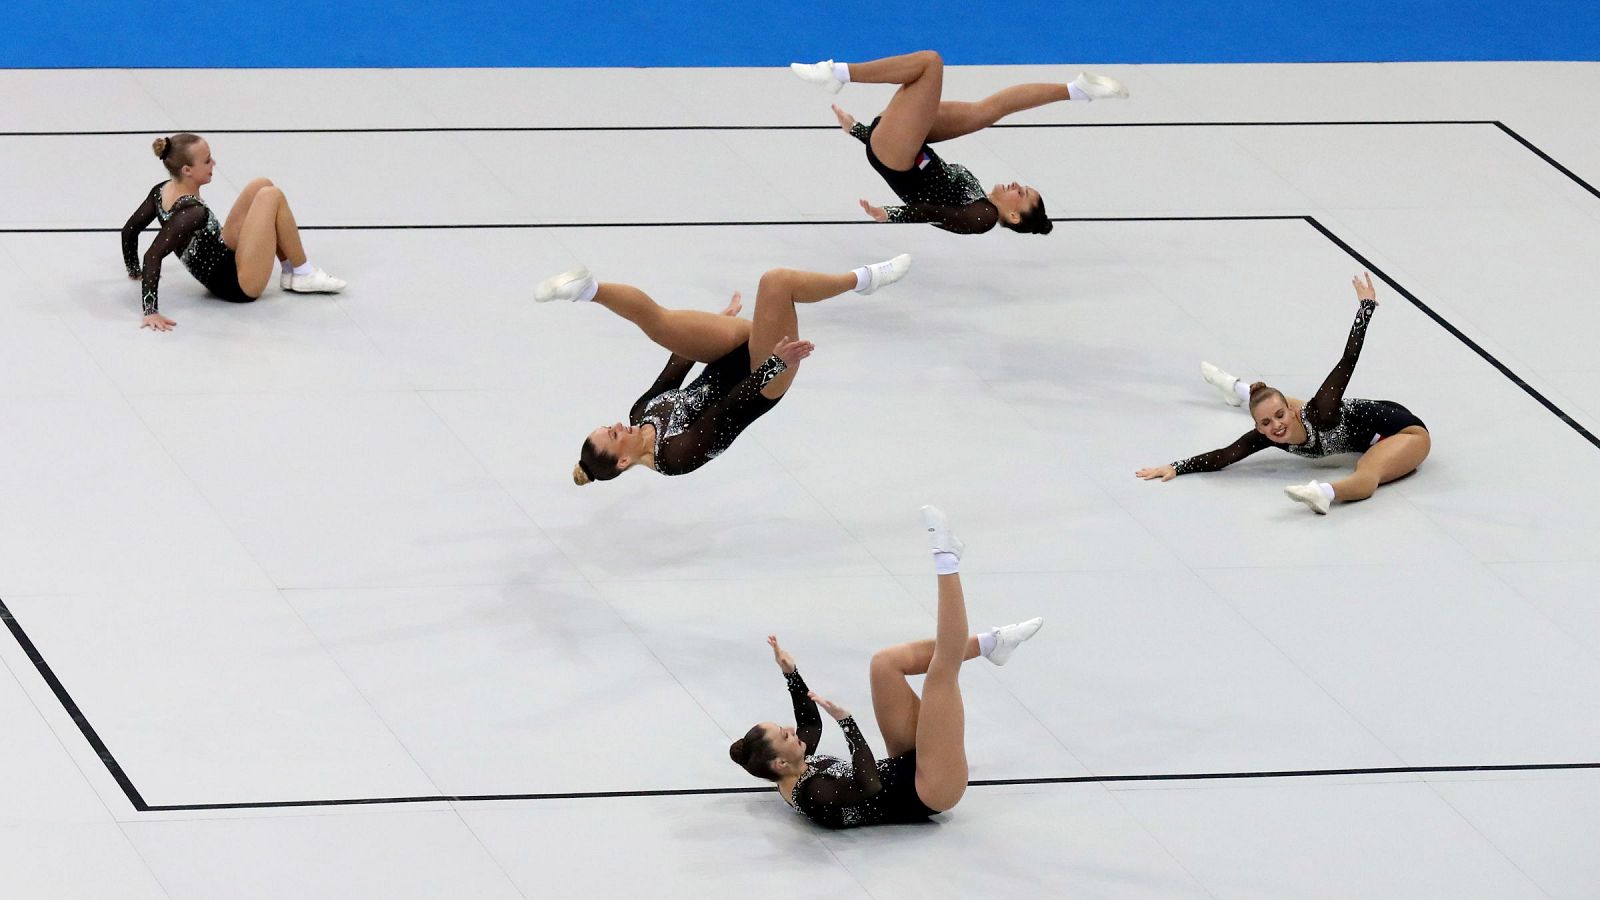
{"points": [[974, 218], [1251, 442], [1325, 403], [807, 723]]}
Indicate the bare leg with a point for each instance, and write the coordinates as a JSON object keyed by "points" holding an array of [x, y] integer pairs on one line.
{"points": [[956, 118], [775, 317], [1394, 457], [268, 228], [894, 703], [941, 723], [701, 336], [910, 114], [235, 221]]}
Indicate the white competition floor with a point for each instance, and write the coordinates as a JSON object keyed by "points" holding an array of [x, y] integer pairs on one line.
{"points": [[332, 620]]}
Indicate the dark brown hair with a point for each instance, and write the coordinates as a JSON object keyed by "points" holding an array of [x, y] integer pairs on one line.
{"points": [[1260, 392], [1034, 221], [176, 152], [593, 465], [755, 753]]}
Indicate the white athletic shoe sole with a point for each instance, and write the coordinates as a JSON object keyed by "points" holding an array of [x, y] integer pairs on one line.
{"points": [[1223, 382], [1311, 495], [566, 286], [1007, 638], [939, 536], [284, 280], [819, 74], [1100, 87], [886, 273]]}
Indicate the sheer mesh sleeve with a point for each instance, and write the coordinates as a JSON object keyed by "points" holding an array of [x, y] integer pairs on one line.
{"points": [[174, 236], [719, 424], [1252, 442], [671, 377], [974, 218], [141, 219], [826, 789], [1326, 405], [807, 722], [860, 132]]}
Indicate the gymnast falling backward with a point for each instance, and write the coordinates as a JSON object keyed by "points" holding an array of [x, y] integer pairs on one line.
{"points": [[675, 429], [933, 190], [925, 772], [1392, 442], [233, 260]]}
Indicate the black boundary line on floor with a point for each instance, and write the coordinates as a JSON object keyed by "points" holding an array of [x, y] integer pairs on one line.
{"points": [[132, 793]]}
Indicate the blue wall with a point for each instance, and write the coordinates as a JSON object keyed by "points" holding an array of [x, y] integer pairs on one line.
{"points": [[120, 33]]}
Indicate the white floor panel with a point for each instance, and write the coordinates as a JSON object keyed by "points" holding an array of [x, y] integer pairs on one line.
{"points": [[380, 854], [1295, 839], [1537, 819], [75, 862], [217, 697]]}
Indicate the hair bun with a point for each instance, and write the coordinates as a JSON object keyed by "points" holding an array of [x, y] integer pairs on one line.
{"points": [[736, 751], [160, 147], [579, 476], [1256, 386]]}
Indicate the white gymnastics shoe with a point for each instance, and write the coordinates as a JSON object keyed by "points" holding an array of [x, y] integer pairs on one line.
{"points": [[886, 273], [1007, 638], [1223, 382], [284, 279], [939, 536], [569, 285], [1311, 495], [819, 74], [315, 282], [1100, 87]]}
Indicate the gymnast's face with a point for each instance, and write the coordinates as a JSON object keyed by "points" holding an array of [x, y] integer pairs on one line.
{"points": [[616, 440], [1273, 419], [1013, 200], [201, 165], [785, 741]]}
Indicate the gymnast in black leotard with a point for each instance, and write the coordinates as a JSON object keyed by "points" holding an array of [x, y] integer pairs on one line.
{"points": [[897, 142], [232, 259], [925, 772], [1391, 440], [676, 429]]}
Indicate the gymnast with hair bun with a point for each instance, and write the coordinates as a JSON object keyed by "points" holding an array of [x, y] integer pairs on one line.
{"points": [[897, 142], [1391, 440], [232, 259], [675, 428], [925, 771]]}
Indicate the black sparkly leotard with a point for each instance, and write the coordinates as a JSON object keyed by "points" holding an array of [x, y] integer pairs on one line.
{"points": [[695, 423], [1333, 424], [835, 793], [933, 190], [190, 230]]}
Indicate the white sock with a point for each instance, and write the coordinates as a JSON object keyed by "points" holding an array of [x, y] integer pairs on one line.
{"points": [[286, 266], [1076, 93], [1241, 389], [863, 277], [841, 71], [1327, 490], [305, 268], [946, 563], [986, 643], [590, 288]]}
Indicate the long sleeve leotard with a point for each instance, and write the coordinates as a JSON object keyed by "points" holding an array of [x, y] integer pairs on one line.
{"points": [[1332, 423], [943, 193], [696, 423], [836, 793], [188, 229]]}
